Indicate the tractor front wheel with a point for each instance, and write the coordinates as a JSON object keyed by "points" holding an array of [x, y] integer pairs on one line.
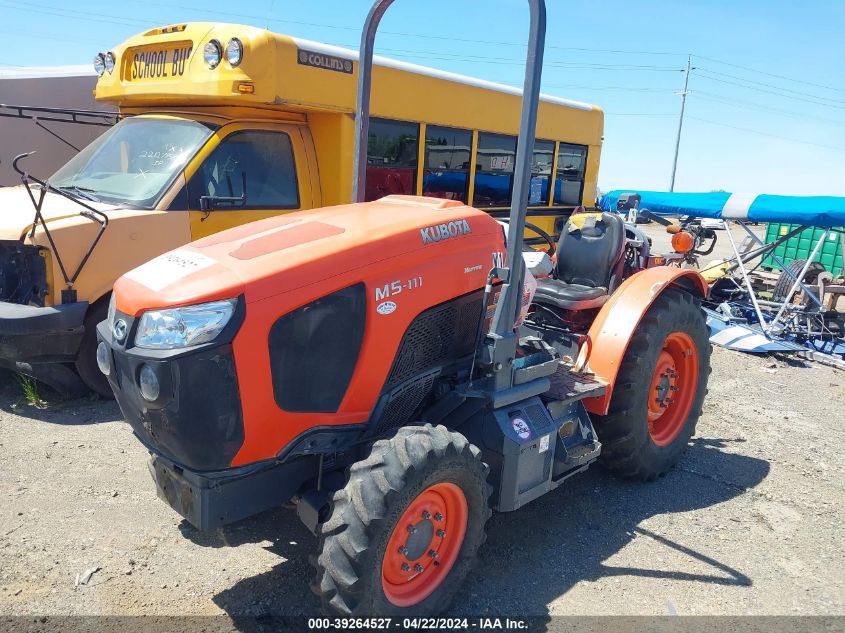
{"points": [[659, 389], [406, 528]]}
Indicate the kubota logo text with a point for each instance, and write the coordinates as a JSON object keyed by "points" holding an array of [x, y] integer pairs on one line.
{"points": [[439, 232]]}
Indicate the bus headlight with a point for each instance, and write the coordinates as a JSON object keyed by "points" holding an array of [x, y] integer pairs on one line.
{"points": [[182, 327], [109, 62], [212, 53], [234, 52], [99, 63]]}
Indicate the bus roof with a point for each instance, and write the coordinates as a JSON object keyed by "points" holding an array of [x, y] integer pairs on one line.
{"points": [[433, 72], [166, 66]]}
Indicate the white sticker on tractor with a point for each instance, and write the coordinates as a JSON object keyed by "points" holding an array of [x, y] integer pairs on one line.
{"points": [[167, 269], [544, 443], [386, 307], [521, 427]]}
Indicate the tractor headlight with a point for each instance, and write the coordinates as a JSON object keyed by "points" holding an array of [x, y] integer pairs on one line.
{"points": [[212, 53], [234, 52], [183, 327]]}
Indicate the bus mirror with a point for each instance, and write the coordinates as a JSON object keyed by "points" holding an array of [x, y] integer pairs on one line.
{"points": [[209, 203]]}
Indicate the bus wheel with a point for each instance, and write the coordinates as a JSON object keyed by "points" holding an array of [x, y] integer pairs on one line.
{"points": [[406, 528], [86, 360], [659, 390]]}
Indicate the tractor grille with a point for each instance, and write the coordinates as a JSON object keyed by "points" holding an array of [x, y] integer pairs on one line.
{"points": [[434, 340], [404, 403], [438, 335]]}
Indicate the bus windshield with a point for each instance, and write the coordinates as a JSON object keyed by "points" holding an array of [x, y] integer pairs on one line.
{"points": [[134, 162]]}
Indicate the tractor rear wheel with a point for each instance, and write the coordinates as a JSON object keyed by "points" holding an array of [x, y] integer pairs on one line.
{"points": [[406, 528], [659, 389]]}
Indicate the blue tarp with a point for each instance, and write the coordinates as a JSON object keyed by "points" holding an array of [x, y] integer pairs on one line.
{"points": [[823, 211]]}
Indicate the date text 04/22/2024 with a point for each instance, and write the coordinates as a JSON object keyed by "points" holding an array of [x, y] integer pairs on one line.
{"points": [[417, 624]]}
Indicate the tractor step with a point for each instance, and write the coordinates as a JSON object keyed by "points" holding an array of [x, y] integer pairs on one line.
{"points": [[569, 386]]}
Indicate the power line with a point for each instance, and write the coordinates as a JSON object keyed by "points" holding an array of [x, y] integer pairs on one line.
{"points": [[73, 14], [521, 62], [782, 138], [610, 88], [750, 105], [771, 92], [356, 29], [765, 85], [762, 72]]}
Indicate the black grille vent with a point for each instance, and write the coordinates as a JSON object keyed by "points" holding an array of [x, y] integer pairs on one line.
{"points": [[440, 334], [537, 416], [404, 403]]}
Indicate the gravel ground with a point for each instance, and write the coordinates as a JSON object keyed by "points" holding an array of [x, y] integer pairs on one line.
{"points": [[750, 521]]}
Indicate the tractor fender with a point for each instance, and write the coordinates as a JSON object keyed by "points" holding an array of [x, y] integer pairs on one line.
{"points": [[618, 319]]}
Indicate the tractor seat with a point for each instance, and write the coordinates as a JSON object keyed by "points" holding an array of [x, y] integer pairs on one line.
{"points": [[589, 262]]}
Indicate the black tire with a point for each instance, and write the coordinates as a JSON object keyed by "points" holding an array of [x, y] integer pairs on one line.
{"points": [[628, 448], [86, 360], [365, 512], [784, 282]]}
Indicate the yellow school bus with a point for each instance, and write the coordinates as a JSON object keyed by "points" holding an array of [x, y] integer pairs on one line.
{"points": [[225, 124]]}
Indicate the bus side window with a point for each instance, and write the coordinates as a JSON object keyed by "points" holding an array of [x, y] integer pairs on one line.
{"points": [[541, 172], [447, 159], [494, 170], [391, 158], [569, 181], [265, 157]]}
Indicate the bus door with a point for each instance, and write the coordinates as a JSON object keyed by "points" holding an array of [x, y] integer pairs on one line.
{"points": [[256, 170]]}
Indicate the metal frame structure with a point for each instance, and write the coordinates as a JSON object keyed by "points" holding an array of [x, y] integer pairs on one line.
{"points": [[40, 114], [773, 329], [502, 339], [89, 212]]}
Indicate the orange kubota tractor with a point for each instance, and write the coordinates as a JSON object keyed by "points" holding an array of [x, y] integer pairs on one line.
{"points": [[365, 362]]}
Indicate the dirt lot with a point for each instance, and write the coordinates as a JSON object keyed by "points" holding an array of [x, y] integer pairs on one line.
{"points": [[750, 522]]}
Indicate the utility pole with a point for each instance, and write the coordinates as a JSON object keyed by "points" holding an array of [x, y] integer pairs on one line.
{"points": [[681, 120]]}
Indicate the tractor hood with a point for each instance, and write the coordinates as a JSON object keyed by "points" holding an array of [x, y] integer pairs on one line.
{"points": [[17, 212], [286, 253]]}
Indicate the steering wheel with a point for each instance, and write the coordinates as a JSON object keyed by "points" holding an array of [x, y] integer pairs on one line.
{"points": [[548, 239]]}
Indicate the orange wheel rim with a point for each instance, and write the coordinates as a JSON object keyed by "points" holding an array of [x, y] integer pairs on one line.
{"points": [[673, 387], [424, 545]]}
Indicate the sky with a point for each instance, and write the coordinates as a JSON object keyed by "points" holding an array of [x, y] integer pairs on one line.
{"points": [[765, 111]]}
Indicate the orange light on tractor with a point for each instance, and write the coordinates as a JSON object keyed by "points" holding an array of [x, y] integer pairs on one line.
{"points": [[683, 242]]}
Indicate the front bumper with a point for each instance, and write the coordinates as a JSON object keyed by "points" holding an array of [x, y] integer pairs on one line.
{"points": [[31, 335], [196, 420], [213, 499]]}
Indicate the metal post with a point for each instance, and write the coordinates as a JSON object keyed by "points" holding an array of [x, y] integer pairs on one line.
{"points": [[681, 121], [502, 349], [362, 111], [780, 263], [510, 299], [745, 278], [842, 248]]}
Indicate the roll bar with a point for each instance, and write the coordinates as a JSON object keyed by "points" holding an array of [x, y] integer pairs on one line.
{"points": [[504, 340]]}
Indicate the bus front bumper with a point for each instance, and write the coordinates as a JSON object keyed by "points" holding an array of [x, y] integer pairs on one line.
{"points": [[31, 336]]}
